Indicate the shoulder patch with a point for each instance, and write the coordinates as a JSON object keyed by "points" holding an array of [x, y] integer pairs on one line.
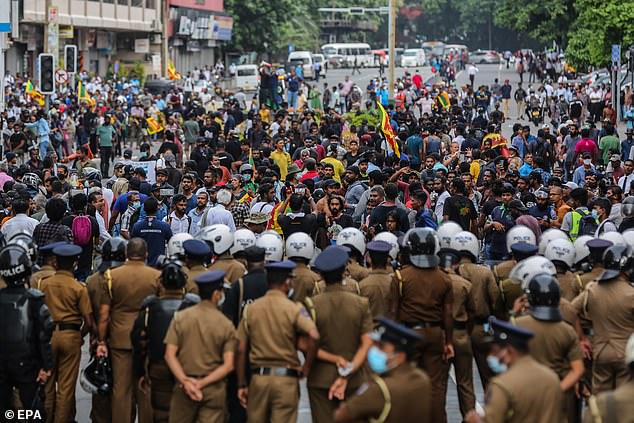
{"points": [[362, 389], [304, 312]]}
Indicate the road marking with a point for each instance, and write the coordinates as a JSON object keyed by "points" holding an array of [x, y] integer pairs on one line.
{"points": [[452, 375]]}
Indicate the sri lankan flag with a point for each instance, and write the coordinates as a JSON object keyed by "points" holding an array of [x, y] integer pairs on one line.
{"points": [[387, 130], [153, 126], [443, 100], [35, 95], [83, 95], [171, 71]]}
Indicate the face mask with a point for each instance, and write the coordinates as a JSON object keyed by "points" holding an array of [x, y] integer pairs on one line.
{"points": [[587, 162], [496, 365], [136, 205], [290, 293], [143, 154], [377, 360], [246, 177], [595, 214], [222, 300]]}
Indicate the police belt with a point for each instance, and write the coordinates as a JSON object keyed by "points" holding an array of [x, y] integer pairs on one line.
{"points": [[459, 325], [67, 326], [275, 371], [422, 325]]}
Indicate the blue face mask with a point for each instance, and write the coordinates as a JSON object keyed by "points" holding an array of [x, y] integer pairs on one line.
{"points": [[136, 205], [595, 214], [377, 360], [496, 365]]}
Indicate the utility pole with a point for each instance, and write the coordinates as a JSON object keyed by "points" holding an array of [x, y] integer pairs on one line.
{"points": [[391, 47], [46, 22], [164, 40]]}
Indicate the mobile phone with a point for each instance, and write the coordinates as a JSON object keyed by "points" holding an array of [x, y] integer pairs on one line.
{"points": [[300, 191], [166, 192]]}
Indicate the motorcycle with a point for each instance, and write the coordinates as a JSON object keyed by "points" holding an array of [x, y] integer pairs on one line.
{"points": [[537, 116]]}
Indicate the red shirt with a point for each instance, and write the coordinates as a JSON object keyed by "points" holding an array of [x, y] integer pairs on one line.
{"points": [[309, 175], [586, 145], [417, 80]]}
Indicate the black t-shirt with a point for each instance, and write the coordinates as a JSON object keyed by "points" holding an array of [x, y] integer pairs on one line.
{"points": [[306, 224], [167, 145], [460, 210], [380, 212], [85, 259], [16, 139]]}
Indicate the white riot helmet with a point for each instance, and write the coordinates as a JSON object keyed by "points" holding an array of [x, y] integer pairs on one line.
{"points": [[446, 231], [352, 237], [175, 245], [242, 239], [527, 269], [616, 238], [519, 233], [391, 239], [466, 242], [562, 251], [422, 245], [581, 249], [629, 238], [629, 351], [549, 235], [300, 245], [218, 236], [272, 242]]}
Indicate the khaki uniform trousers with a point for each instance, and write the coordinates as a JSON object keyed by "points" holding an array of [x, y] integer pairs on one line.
{"points": [[322, 409], [126, 395], [273, 399], [161, 387], [480, 348], [608, 368], [101, 411], [463, 366], [429, 358], [59, 400], [210, 410]]}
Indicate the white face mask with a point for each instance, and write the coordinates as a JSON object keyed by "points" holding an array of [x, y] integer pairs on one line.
{"points": [[587, 162], [222, 300]]}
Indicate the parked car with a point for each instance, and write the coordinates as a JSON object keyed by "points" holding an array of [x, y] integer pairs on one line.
{"points": [[413, 57], [336, 61], [484, 56], [247, 77]]}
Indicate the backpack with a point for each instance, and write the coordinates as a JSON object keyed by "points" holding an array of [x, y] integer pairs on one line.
{"points": [[587, 225], [82, 230], [15, 333], [426, 220]]}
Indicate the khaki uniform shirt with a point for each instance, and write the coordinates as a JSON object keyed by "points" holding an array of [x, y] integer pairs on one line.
{"points": [[356, 271], [484, 289], [570, 285], [527, 393], [621, 403], [131, 283], [554, 344], [376, 288], [410, 395], [463, 307], [568, 312], [588, 277], [423, 295], [66, 298], [95, 286], [192, 273], [37, 277], [233, 269], [202, 334], [271, 324], [304, 282], [342, 318]]}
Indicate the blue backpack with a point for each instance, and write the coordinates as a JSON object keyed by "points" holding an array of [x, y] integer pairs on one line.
{"points": [[426, 220]]}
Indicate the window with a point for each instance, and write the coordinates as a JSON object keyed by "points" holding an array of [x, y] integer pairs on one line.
{"points": [[246, 72], [123, 2], [137, 3], [150, 4]]}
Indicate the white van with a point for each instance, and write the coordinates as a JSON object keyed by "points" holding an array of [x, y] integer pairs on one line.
{"points": [[247, 77], [303, 58], [413, 57]]}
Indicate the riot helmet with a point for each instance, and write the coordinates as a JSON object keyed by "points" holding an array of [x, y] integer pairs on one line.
{"points": [[616, 260], [172, 274], [544, 296], [96, 378], [421, 246], [15, 265], [113, 253]]}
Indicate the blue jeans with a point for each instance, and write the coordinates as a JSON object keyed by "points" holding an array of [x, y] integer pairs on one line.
{"points": [[292, 99], [44, 149]]}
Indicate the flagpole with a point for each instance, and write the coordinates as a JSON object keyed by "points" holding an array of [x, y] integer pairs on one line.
{"points": [[392, 47]]}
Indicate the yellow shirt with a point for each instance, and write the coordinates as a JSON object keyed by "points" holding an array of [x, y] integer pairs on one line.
{"points": [[339, 168], [282, 159], [474, 169]]}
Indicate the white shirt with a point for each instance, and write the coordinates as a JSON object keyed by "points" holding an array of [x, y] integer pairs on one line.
{"points": [[216, 215], [625, 181], [440, 206], [103, 233], [18, 223], [179, 225], [472, 70]]}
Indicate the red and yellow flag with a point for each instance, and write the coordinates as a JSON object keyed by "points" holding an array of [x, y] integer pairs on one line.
{"points": [[387, 130], [171, 71]]}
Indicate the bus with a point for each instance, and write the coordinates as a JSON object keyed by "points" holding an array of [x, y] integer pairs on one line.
{"points": [[433, 49], [350, 51]]}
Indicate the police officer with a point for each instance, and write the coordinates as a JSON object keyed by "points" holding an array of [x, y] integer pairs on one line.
{"points": [[196, 254], [376, 286], [355, 240], [300, 249], [606, 406], [399, 392], [113, 255], [485, 293], [522, 382], [220, 238], [511, 290], [518, 234], [69, 305], [149, 331], [607, 303], [242, 239], [562, 253], [597, 248], [121, 301], [422, 299], [199, 350], [463, 309], [48, 266], [554, 343], [26, 359], [345, 324], [268, 333]]}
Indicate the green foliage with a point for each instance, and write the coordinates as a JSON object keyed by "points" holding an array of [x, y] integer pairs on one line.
{"points": [[357, 118]]}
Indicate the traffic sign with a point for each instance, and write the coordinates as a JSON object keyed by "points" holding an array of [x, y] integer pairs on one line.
{"points": [[61, 76], [616, 54], [5, 19]]}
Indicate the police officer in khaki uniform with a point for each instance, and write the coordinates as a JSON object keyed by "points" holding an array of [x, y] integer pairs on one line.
{"points": [[555, 343], [199, 350], [562, 253], [597, 248], [220, 239], [609, 304], [300, 249], [376, 287], [485, 293], [345, 324], [463, 309], [69, 305], [113, 255], [422, 299], [355, 240], [510, 290], [522, 383], [196, 254], [48, 267], [615, 406], [121, 301], [149, 331], [268, 335], [398, 391]]}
